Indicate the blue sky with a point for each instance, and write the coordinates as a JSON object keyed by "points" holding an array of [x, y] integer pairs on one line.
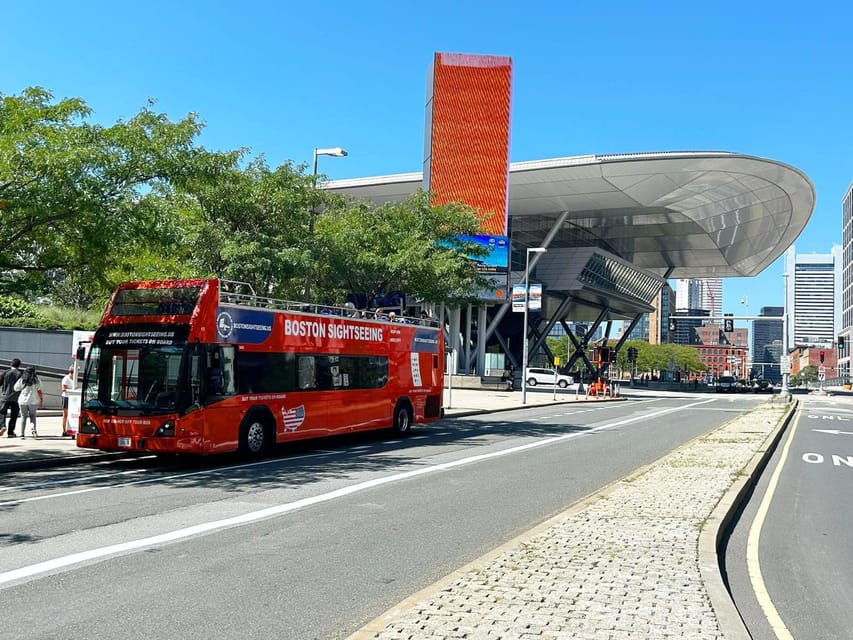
{"points": [[771, 79]]}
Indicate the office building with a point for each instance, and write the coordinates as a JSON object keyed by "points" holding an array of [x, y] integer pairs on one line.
{"points": [[641, 329], [846, 327], [700, 293], [659, 324], [682, 330], [813, 296], [711, 296], [767, 344]]}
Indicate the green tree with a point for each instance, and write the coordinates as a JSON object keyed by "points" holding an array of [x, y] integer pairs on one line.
{"points": [[805, 375], [76, 198], [409, 246], [252, 225]]}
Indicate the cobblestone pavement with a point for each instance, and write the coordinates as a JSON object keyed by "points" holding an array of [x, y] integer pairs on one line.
{"points": [[626, 563]]}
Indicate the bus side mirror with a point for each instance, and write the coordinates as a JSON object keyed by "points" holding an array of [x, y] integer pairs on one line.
{"points": [[81, 354]]}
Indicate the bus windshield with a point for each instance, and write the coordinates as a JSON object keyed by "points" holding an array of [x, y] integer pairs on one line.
{"points": [[140, 379]]}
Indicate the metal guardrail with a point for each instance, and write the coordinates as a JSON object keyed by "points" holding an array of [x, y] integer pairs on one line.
{"points": [[232, 292]]}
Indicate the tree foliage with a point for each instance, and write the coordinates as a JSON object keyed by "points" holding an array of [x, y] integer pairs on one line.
{"points": [[74, 196], [409, 246], [251, 225], [806, 375], [650, 357]]}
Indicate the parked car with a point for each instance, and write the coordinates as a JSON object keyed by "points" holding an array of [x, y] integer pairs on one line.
{"points": [[762, 386], [727, 384], [546, 376]]}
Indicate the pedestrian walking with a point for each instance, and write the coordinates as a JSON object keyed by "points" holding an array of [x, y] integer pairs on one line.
{"points": [[66, 385], [9, 398], [30, 399]]}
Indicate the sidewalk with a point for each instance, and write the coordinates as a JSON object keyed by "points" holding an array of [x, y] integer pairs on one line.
{"points": [[51, 449]]}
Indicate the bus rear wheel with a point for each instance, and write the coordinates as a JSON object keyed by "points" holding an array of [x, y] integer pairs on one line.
{"points": [[402, 423], [254, 436]]}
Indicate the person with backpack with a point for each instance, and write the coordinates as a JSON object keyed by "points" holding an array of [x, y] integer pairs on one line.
{"points": [[30, 399], [9, 397]]}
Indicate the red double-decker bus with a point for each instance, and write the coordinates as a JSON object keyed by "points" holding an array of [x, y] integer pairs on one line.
{"points": [[206, 366]]}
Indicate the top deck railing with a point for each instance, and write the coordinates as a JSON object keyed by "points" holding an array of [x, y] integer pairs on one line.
{"points": [[232, 292]]}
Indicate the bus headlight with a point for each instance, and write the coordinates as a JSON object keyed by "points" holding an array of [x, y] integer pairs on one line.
{"points": [[88, 426], [166, 430]]}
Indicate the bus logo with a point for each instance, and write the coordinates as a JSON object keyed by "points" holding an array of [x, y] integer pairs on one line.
{"points": [[224, 324], [293, 418]]}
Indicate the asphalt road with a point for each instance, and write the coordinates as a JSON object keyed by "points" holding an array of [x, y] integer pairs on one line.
{"points": [[317, 541], [798, 526]]}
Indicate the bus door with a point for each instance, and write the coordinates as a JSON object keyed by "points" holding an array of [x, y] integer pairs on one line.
{"points": [[212, 371]]}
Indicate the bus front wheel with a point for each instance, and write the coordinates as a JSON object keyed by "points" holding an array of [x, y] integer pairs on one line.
{"points": [[254, 436], [402, 418]]}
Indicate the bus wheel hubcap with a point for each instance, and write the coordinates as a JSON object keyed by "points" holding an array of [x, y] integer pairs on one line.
{"points": [[255, 437]]}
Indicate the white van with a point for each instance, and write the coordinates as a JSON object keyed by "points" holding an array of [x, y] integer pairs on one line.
{"points": [[546, 376]]}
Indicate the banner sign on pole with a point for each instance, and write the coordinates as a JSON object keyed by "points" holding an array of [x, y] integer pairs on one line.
{"points": [[518, 297], [534, 301]]}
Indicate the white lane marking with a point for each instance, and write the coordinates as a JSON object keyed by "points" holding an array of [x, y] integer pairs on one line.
{"points": [[278, 510], [753, 542]]}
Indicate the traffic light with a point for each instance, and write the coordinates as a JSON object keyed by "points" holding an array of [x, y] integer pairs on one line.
{"points": [[821, 357], [841, 343], [728, 325]]}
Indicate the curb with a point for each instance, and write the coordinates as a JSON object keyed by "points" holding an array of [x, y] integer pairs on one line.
{"points": [[717, 524]]}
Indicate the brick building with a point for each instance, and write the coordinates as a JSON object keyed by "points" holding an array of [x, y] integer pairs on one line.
{"points": [[802, 357], [722, 351]]}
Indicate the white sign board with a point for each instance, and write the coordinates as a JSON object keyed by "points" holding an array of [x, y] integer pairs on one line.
{"points": [[73, 419], [785, 364], [81, 339]]}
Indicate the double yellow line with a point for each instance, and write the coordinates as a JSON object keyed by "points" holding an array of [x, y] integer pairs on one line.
{"points": [[752, 563]]}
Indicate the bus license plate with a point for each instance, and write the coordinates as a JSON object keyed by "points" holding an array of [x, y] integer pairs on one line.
{"points": [[124, 442]]}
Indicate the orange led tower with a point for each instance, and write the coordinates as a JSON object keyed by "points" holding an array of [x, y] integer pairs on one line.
{"points": [[467, 134]]}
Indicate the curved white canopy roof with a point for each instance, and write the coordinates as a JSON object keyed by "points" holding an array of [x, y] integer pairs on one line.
{"points": [[685, 214]]}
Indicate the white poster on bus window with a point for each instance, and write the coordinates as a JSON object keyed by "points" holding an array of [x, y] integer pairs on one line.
{"points": [[416, 369]]}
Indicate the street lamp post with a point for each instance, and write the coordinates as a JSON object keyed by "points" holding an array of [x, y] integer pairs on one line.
{"points": [[524, 327], [335, 152]]}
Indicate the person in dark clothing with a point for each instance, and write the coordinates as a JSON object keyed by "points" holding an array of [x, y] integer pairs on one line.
{"points": [[9, 398]]}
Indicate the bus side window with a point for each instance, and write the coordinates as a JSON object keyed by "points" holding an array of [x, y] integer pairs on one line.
{"points": [[220, 371], [306, 373]]}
